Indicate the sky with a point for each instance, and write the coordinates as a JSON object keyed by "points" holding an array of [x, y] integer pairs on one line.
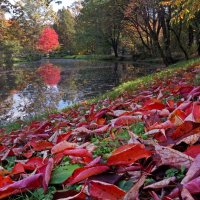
{"points": [[65, 3]]}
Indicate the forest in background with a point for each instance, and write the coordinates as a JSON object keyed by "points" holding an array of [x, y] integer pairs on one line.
{"points": [[169, 30]]}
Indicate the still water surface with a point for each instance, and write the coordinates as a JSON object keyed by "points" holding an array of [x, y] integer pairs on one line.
{"points": [[34, 88]]}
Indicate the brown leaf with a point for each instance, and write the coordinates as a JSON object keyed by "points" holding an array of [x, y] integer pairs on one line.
{"points": [[185, 194], [161, 184], [173, 157], [193, 171], [192, 139], [133, 193]]}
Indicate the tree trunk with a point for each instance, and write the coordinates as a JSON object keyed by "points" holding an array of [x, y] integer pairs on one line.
{"points": [[167, 60], [180, 44], [198, 49], [190, 36], [115, 49], [165, 24]]}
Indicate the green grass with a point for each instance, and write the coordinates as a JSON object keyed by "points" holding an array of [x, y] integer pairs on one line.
{"points": [[13, 126], [146, 80]]}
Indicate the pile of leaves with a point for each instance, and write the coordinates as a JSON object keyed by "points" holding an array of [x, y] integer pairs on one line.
{"points": [[143, 145]]}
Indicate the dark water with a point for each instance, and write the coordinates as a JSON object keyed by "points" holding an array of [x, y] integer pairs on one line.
{"points": [[34, 88]]}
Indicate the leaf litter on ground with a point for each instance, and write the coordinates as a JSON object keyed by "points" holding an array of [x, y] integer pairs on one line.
{"points": [[144, 144]]}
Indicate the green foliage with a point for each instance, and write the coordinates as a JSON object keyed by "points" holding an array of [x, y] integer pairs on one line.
{"points": [[38, 194], [175, 172], [138, 129], [74, 187], [64, 26], [125, 185], [149, 181], [9, 49], [97, 34], [124, 135], [9, 163], [62, 172], [104, 147], [12, 127]]}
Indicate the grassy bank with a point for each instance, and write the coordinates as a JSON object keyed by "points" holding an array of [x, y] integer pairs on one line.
{"points": [[147, 80], [129, 86]]}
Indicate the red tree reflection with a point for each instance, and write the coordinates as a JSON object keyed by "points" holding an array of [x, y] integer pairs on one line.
{"points": [[50, 74]]}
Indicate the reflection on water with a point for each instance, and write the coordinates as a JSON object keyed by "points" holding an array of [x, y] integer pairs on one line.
{"points": [[38, 87], [50, 74]]}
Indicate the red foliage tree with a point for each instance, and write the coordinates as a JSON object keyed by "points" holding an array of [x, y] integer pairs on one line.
{"points": [[48, 40]]}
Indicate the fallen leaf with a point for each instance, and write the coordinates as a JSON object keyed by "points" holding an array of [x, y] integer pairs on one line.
{"points": [[83, 153], [41, 145], [185, 194], [29, 183], [183, 129], [102, 190], [161, 184], [128, 154], [194, 116], [46, 172], [173, 157], [85, 172], [177, 117], [63, 172], [193, 151], [5, 180], [125, 120], [69, 195], [133, 193], [193, 171], [193, 186], [62, 146], [34, 163], [154, 105], [18, 168], [192, 139]]}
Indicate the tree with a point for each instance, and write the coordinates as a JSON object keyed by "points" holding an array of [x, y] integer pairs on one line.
{"points": [[153, 19], [28, 18], [48, 40], [64, 26], [183, 9], [99, 26], [188, 12]]}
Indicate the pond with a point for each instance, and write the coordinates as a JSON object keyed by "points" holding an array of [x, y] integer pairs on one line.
{"points": [[38, 87]]}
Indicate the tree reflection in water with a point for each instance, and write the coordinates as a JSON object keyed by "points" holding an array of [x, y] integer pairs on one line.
{"points": [[39, 96], [50, 74], [35, 88]]}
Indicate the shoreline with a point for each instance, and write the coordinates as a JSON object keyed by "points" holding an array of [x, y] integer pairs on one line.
{"points": [[129, 86]]}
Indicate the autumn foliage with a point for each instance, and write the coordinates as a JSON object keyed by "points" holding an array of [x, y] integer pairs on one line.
{"points": [[48, 40], [139, 146]]}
